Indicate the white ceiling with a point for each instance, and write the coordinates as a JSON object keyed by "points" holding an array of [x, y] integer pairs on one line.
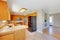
{"points": [[52, 6]]}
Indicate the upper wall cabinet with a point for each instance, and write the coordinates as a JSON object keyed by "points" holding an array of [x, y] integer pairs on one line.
{"points": [[4, 11], [3, 0], [32, 14]]}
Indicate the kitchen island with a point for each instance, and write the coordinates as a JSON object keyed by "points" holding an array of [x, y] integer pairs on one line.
{"points": [[13, 33]]}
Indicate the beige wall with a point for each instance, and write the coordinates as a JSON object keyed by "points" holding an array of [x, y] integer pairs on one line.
{"points": [[56, 19]]}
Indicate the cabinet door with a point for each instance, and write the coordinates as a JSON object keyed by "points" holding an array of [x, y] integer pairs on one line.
{"points": [[1, 38], [20, 34], [11, 37], [7, 37], [4, 11]]}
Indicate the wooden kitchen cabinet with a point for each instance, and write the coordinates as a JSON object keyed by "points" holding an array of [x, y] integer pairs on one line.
{"points": [[18, 17], [11, 37], [17, 35], [7, 37], [4, 11]]}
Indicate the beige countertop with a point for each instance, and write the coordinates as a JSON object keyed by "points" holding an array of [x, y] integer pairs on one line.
{"points": [[8, 30]]}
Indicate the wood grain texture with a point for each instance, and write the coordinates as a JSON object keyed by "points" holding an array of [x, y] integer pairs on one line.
{"points": [[4, 11], [17, 35], [55, 31], [7, 37], [3, 0]]}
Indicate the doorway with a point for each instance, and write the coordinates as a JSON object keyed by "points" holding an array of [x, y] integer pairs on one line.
{"points": [[50, 20]]}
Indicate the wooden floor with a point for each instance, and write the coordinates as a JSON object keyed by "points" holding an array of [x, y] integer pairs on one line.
{"points": [[44, 36], [53, 31]]}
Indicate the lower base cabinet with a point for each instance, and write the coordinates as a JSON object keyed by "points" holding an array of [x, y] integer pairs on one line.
{"points": [[17, 35], [7, 37]]}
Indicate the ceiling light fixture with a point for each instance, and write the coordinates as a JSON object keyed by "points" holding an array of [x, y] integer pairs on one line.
{"points": [[23, 10]]}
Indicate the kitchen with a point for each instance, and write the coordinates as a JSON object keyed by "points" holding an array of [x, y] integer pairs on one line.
{"points": [[12, 26]]}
